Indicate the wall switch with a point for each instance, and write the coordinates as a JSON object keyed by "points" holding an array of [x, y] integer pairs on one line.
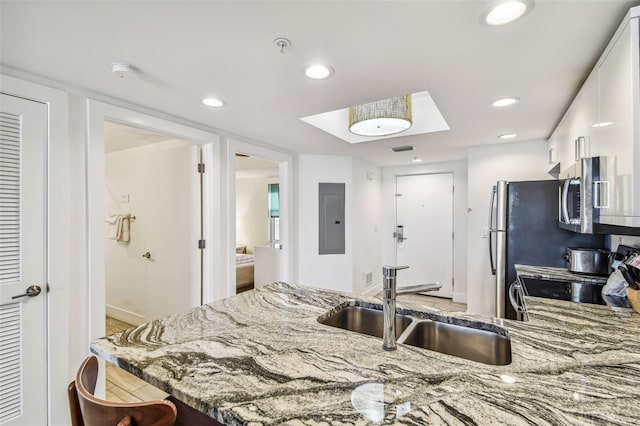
{"points": [[124, 198]]}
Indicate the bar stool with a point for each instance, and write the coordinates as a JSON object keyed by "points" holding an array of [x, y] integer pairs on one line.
{"points": [[87, 410]]}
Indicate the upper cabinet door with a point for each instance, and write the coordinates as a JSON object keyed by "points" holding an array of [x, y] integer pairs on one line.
{"points": [[616, 123]]}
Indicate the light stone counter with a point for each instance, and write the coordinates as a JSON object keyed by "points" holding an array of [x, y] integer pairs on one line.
{"points": [[262, 358]]}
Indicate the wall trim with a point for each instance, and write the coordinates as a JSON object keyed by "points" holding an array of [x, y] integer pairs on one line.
{"points": [[459, 297], [124, 315]]}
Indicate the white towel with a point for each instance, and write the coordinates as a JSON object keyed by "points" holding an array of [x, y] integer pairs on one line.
{"points": [[119, 227]]}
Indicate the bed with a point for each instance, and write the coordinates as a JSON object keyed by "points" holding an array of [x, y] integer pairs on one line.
{"points": [[244, 270]]}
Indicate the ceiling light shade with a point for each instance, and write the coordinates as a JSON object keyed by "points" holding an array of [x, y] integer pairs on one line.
{"points": [[505, 102], [508, 136], [381, 118], [318, 72], [212, 102], [505, 12]]}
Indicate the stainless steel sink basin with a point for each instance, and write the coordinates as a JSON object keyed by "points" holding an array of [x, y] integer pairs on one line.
{"points": [[464, 342], [364, 320]]}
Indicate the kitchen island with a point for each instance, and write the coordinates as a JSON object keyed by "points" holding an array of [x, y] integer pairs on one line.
{"points": [[263, 358]]}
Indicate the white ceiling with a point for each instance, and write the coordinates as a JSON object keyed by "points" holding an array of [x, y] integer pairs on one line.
{"points": [[379, 49]]}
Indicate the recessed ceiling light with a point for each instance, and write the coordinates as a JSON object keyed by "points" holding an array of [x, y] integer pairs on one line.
{"points": [[318, 71], [417, 160], [505, 12], [505, 102], [212, 102], [508, 136], [603, 124]]}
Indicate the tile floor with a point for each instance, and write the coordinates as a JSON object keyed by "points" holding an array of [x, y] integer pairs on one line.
{"points": [[125, 387]]}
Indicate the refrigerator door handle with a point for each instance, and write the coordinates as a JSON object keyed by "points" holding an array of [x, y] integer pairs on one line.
{"points": [[491, 229]]}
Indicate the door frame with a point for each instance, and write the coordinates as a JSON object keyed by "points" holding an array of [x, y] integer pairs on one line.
{"points": [[229, 222], [453, 219], [97, 113], [461, 211], [57, 244]]}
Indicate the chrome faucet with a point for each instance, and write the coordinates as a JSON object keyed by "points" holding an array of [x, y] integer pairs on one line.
{"points": [[389, 302]]}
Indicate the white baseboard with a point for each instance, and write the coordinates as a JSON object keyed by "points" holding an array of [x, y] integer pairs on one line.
{"points": [[459, 297], [372, 290], [124, 315]]}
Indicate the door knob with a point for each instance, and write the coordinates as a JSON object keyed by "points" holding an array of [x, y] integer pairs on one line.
{"points": [[147, 255], [32, 291]]}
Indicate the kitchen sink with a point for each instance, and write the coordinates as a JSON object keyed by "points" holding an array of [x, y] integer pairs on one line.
{"points": [[464, 342], [364, 320]]}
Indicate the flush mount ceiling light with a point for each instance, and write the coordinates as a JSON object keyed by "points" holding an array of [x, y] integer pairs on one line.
{"points": [[381, 118], [505, 102], [318, 72], [508, 136], [212, 102], [506, 12], [417, 160]]}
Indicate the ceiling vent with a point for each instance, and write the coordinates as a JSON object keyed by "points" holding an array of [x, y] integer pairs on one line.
{"points": [[402, 148]]}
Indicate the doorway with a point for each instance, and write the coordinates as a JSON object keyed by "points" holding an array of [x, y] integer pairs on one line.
{"points": [[272, 260], [424, 230], [153, 210], [257, 222]]}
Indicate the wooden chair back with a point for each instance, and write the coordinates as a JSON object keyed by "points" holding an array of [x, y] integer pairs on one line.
{"points": [[87, 410]]}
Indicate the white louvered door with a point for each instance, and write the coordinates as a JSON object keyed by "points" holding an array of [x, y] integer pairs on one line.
{"points": [[23, 364]]}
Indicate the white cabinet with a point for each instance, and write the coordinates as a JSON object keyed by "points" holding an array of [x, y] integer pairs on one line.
{"points": [[616, 72], [604, 120]]}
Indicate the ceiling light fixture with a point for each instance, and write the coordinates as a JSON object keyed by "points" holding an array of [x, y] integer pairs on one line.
{"points": [[505, 102], [603, 124], [506, 12], [417, 160], [212, 102], [381, 118], [318, 72], [508, 136]]}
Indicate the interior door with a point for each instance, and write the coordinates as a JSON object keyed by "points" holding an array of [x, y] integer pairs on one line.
{"points": [[424, 210], [174, 224], [23, 371]]}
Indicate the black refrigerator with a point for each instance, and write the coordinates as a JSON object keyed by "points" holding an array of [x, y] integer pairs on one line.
{"points": [[523, 229]]}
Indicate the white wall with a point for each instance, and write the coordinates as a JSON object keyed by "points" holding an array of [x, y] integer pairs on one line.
{"points": [[252, 216], [367, 223], [331, 271], [516, 161], [161, 183], [459, 170]]}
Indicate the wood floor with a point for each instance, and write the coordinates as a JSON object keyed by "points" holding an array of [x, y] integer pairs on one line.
{"points": [[125, 387]]}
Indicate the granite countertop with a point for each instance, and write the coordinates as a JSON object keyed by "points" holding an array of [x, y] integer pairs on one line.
{"points": [[557, 274], [262, 358]]}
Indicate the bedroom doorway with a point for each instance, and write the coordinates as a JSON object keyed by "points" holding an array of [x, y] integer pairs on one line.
{"points": [[257, 220], [153, 214]]}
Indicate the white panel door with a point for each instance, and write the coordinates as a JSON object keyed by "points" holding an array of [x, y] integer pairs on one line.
{"points": [[23, 363], [424, 209], [173, 223]]}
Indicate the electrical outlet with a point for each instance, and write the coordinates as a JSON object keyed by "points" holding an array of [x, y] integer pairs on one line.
{"points": [[124, 198], [369, 278]]}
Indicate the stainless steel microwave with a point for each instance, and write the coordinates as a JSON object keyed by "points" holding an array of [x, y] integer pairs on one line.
{"points": [[582, 195]]}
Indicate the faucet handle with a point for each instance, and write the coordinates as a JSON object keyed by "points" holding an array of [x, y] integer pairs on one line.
{"points": [[390, 271]]}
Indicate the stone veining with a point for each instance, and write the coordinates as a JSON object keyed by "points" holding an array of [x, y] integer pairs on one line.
{"points": [[262, 358]]}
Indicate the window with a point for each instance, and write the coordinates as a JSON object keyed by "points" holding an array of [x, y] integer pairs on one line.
{"points": [[274, 212]]}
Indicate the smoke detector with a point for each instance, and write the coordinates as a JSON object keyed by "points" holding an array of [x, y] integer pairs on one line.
{"points": [[123, 70]]}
